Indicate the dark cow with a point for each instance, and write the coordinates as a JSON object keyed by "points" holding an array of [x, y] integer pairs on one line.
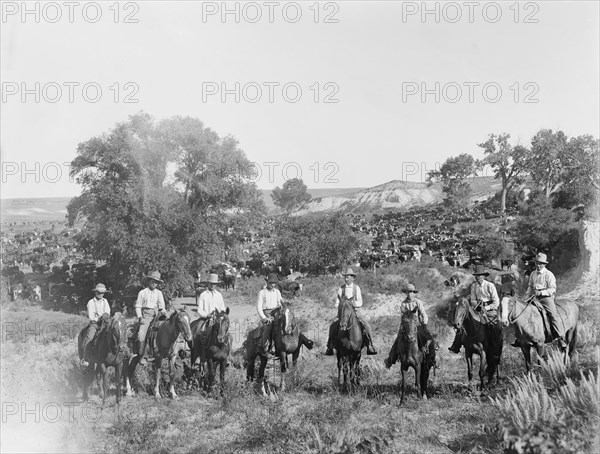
{"points": [[289, 288]]}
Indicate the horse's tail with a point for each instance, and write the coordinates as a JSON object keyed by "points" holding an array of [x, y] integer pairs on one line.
{"points": [[573, 339]]}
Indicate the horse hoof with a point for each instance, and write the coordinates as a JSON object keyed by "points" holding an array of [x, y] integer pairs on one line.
{"points": [[424, 397]]}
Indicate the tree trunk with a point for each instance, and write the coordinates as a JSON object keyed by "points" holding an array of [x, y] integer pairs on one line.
{"points": [[503, 199]]}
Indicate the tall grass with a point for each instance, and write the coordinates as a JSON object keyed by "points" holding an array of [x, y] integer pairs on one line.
{"points": [[553, 410]]}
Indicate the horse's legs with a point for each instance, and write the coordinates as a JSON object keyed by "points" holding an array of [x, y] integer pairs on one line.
{"points": [[404, 368], [469, 358], [340, 364], [418, 378], [261, 374], [482, 368], [119, 377], [251, 358], [223, 366], [104, 388], [157, 365], [88, 378], [132, 363], [172, 361], [423, 378]]}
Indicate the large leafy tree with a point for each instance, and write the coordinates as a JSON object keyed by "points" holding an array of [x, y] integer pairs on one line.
{"points": [[291, 196], [453, 175], [508, 162], [545, 162], [580, 173], [314, 242], [136, 219]]}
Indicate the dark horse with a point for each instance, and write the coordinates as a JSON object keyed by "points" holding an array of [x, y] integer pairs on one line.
{"points": [[410, 354], [349, 344], [529, 326], [215, 348], [111, 351], [160, 343], [287, 339], [478, 338]]}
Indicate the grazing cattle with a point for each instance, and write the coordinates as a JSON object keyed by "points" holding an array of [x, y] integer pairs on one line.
{"points": [[289, 288], [228, 280], [37, 293], [17, 291]]}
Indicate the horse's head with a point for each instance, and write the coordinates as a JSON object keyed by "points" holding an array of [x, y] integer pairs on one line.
{"points": [[460, 312], [287, 320], [410, 323], [182, 320], [347, 315], [221, 325], [507, 307], [117, 334]]}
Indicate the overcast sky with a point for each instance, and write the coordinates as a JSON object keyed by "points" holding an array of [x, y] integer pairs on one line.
{"points": [[499, 67]]}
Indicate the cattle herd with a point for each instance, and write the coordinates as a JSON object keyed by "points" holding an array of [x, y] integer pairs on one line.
{"points": [[386, 239]]}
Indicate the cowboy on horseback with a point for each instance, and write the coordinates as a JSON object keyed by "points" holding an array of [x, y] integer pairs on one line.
{"points": [[542, 287], [150, 301], [209, 302], [97, 307], [350, 292], [269, 299], [483, 296], [410, 304]]}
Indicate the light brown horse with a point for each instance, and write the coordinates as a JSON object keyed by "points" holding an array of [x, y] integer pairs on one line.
{"points": [[529, 326], [409, 352], [161, 343], [111, 351]]}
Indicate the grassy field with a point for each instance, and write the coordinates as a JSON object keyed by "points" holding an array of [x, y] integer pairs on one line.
{"points": [[42, 412]]}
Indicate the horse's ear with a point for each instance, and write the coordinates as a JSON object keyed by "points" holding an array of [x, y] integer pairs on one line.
{"points": [[227, 310]]}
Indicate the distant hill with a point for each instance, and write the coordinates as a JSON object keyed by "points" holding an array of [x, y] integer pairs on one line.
{"points": [[396, 194], [51, 209], [393, 195]]}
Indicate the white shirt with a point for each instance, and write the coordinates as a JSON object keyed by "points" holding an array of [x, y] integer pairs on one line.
{"points": [[487, 293], [97, 307], [542, 281], [209, 301], [151, 299], [268, 299], [348, 293]]}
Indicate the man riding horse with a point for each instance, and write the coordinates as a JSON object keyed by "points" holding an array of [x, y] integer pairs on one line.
{"points": [[269, 299], [209, 302], [150, 303], [483, 295], [410, 304], [542, 287], [350, 291], [97, 307]]}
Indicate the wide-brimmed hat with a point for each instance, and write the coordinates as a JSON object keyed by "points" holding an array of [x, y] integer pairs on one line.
{"points": [[100, 288], [410, 288], [541, 258], [272, 278], [480, 271], [155, 276], [213, 279], [349, 272]]}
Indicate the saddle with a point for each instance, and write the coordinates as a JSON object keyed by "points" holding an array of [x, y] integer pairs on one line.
{"points": [[548, 334], [152, 333], [102, 325]]}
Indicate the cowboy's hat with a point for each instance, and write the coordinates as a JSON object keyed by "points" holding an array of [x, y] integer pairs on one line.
{"points": [[410, 288], [541, 258], [272, 279], [480, 271], [349, 272], [213, 279], [155, 276], [100, 288]]}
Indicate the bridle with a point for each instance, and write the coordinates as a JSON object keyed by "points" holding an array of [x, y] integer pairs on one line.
{"points": [[347, 306], [520, 313]]}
